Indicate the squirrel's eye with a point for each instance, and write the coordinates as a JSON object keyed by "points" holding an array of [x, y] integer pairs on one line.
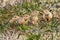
{"points": [[25, 19], [26, 16], [15, 17]]}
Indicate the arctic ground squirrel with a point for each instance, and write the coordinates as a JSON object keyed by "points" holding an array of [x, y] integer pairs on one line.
{"points": [[47, 16], [24, 20], [27, 18], [34, 17], [18, 20], [14, 19]]}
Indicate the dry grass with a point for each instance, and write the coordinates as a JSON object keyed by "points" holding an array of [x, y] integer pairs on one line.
{"points": [[46, 30]]}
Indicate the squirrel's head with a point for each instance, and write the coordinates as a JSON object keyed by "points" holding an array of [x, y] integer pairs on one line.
{"points": [[14, 19]]}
